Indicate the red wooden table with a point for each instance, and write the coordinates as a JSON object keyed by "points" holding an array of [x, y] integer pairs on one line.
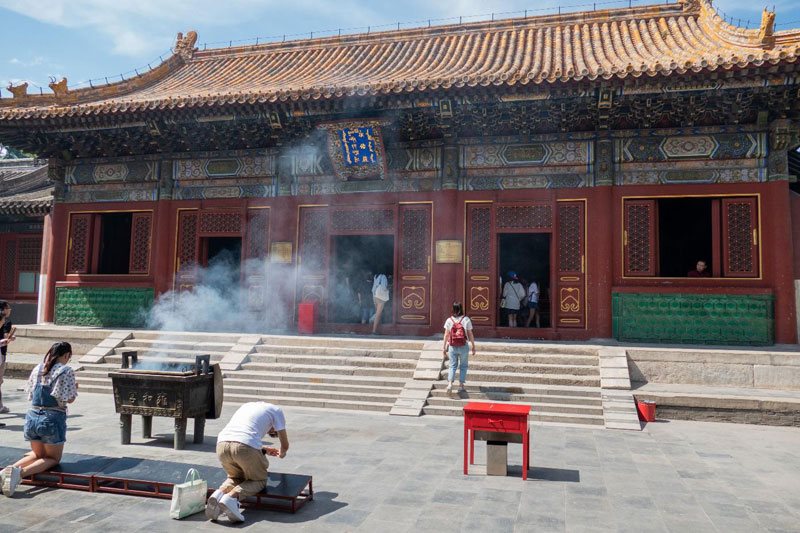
{"points": [[500, 417]]}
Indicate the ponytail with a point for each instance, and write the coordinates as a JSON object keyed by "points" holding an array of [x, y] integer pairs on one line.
{"points": [[56, 350]]}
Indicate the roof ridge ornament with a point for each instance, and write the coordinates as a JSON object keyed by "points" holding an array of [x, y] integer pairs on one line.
{"points": [[767, 29], [59, 88], [691, 5], [20, 91], [184, 46]]}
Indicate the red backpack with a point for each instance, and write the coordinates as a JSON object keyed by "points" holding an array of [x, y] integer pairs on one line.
{"points": [[458, 336]]}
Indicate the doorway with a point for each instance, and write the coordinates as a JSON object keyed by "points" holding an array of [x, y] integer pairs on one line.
{"points": [[527, 254], [221, 259], [355, 259]]}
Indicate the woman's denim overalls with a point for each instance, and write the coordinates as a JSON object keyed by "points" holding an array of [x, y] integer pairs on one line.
{"points": [[46, 420]]}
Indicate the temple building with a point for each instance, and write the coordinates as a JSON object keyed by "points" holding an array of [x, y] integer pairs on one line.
{"points": [[601, 154]]}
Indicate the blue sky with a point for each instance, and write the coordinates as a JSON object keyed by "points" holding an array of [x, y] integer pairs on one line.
{"points": [[92, 39]]}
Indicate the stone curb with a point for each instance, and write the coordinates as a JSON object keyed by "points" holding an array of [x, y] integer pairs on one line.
{"points": [[240, 352], [106, 347]]}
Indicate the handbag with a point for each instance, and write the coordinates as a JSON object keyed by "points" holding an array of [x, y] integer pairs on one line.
{"points": [[189, 497], [382, 293], [503, 303]]}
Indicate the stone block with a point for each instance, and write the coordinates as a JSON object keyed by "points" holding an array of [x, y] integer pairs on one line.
{"points": [[697, 373], [496, 458], [776, 377]]}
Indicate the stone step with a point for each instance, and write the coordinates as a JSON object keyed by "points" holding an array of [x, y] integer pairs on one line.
{"points": [[88, 335], [40, 345], [377, 362], [329, 369], [537, 406], [188, 336], [305, 402], [522, 398], [539, 358], [527, 368], [174, 353], [553, 379], [381, 343], [477, 387], [535, 416], [257, 377], [323, 395], [528, 347], [160, 344], [306, 385], [336, 351]]}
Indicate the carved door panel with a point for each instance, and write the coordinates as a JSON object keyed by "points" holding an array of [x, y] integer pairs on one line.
{"points": [[255, 264], [413, 283], [140, 243], [312, 275], [740, 237], [187, 254], [80, 241], [480, 286], [640, 238], [570, 296], [10, 267]]}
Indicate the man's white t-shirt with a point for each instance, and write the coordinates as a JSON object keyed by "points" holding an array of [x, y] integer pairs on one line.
{"points": [[251, 422], [466, 323]]}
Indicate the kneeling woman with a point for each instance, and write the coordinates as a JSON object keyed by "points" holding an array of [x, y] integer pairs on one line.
{"points": [[51, 386]]}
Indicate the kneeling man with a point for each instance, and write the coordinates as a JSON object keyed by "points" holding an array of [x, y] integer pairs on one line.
{"points": [[243, 457]]}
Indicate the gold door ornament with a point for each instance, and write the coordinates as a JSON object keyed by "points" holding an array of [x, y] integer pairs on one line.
{"points": [[570, 299], [413, 297], [479, 299]]}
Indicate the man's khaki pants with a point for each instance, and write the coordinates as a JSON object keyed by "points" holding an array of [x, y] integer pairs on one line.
{"points": [[246, 468]]}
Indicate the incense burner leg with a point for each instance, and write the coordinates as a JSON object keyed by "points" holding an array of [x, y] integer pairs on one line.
{"points": [[180, 433], [125, 428], [199, 429], [147, 426]]}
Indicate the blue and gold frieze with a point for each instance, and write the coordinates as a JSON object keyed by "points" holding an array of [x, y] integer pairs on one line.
{"points": [[536, 181], [111, 172], [575, 153], [414, 159], [223, 167], [234, 191], [682, 147]]}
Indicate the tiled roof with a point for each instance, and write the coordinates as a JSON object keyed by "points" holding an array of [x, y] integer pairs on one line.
{"points": [[666, 40], [25, 188]]}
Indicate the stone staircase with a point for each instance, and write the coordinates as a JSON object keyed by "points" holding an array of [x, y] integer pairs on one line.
{"points": [[332, 372], [560, 382], [33, 341]]}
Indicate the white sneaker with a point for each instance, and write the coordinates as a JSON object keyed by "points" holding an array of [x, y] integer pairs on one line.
{"points": [[212, 505], [230, 506], [449, 387], [11, 476], [4, 410]]}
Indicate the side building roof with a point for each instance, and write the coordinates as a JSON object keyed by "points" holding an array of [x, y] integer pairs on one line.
{"points": [[657, 40], [25, 188]]}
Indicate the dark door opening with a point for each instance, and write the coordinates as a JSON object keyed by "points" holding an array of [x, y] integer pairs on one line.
{"points": [[115, 243], [527, 254], [355, 260], [222, 258], [684, 235]]}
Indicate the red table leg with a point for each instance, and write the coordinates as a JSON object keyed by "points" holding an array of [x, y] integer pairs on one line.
{"points": [[472, 448], [466, 436], [526, 438]]}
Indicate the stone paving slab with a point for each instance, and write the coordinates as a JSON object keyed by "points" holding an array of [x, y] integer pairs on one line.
{"points": [[375, 472]]}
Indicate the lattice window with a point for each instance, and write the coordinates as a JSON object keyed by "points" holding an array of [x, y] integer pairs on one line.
{"points": [[524, 217], [29, 255], [569, 238], [140, 243], [639, 238], [221, 223], [9, 266], [415, 236], [480, 238], [740, 237], [257, 233], [362, 220], [315, 233], [187, 253], [79, 240]]}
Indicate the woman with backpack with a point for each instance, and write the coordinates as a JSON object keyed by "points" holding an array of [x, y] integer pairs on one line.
{"points": [[457, 329]]}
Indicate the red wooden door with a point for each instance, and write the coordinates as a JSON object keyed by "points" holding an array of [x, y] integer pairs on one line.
{"points": [[187, 253], [312, 253], [640, 238], [480, 289], [79, 247], [10, 267], [740, 237], [255, 264], [571, 259], [141, 229], [412, 290]]}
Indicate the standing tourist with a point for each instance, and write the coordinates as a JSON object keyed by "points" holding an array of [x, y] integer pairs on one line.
{"points": [[457, 329], [51, 386], [7, 330], [243, 457], [364, 295], [513, 296], [533, 305], [380, 295]]}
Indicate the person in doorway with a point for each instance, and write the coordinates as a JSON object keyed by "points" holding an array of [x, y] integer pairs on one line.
{"points": [[244, 458], [364, 295], [457, 329], [700, 271], [513, 296], [51, 386], [7, 331], [380, 295], [533, 305]]}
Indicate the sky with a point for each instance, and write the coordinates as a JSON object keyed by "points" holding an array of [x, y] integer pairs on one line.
{"points": [[95, 39]]}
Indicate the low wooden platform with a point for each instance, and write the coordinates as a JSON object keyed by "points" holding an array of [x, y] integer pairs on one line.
{"points": [[155, 479]]}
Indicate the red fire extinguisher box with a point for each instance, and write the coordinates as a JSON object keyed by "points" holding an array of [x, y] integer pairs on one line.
{"points": [[306, 317]]}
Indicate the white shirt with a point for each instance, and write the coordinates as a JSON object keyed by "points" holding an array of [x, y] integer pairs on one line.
{"points": [[513, 292], [466, 323], [379, 280], [533, 292], [251, 422], [64, 389]]}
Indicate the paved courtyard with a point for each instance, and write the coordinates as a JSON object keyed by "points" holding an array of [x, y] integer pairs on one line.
{"points": [[374, 472]]}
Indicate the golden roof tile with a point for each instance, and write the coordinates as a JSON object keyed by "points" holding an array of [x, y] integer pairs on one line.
{"points": [[666, 40]]}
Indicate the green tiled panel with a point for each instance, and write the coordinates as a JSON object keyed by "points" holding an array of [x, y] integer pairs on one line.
{"points": [[102, 307], [734, 319]]}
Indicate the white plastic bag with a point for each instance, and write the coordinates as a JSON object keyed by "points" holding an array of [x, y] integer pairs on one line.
{"points": [[189, 497]]}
